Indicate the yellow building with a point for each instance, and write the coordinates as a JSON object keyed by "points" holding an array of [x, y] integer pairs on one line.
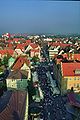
{"points": [[70, 76]]}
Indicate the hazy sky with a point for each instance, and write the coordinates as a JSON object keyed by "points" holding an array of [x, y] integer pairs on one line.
{"points": [[26, 16]]}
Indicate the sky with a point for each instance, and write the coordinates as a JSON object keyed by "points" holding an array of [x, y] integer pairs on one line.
{"points": [[29, 16]]}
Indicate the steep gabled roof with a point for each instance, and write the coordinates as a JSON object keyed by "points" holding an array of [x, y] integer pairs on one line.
{"points": [[19, 63], [28, 42], [33, 45], [10, 45]]}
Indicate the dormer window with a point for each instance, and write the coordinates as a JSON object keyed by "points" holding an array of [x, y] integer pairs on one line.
{"points": [[77, 71]]}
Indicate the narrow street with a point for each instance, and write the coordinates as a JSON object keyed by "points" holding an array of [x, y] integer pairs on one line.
{"points": [[53, 106]]}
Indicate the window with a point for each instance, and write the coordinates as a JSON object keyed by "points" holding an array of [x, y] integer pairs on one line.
{"points": [[77, 84], [70, 79], [65, 78], [20, 85], [75, 78], [78, 78], [77, 71]]}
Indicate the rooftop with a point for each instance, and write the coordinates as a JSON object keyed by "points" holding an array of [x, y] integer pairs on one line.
{"points": [[19, 62], [69, 69], [12, 105]]}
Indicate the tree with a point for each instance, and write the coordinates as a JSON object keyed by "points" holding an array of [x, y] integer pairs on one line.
{"points": [[1, 69], [5, 60]]}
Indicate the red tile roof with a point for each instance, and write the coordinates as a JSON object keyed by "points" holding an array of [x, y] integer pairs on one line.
{"points": [[33, 45], [20, 46], [68, 69], [19, 63], [16, 39], [28, 42], [2, 52], [10, 45], [7, 51], [58, 44], [77, 56], [10, 51], [9, 41]]}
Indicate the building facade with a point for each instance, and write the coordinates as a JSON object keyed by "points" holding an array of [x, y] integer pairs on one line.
{"points": [[70, 77]]}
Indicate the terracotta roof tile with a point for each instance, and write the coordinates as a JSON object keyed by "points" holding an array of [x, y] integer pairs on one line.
{"points": [[2, 52], [9, 41], [33, 45], [10, 45], [7, 51], [28, 41], [21, 46], [16, 39], [19, 63], [58, 44], [68, 69]]}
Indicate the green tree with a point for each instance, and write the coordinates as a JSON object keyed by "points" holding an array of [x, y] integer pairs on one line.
{"points": [[5, 60], [1, 69]]}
